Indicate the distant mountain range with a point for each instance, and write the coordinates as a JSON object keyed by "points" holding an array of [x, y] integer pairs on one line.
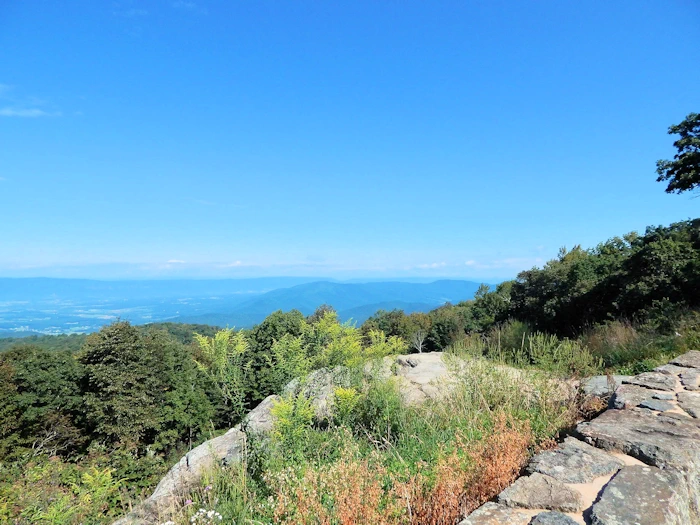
{"points": [[53, 306], [356, 301]]}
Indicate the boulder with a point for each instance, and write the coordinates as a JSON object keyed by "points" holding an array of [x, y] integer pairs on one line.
{"points": [[552, 518], [690, 402], [657, 404], [629, 396], [574, 462], [601, 386], [653, 380], [672, 370], [664, 396], [689, 378], [689, 360], [495, 514], [259, 421], [319, 386], [188, 471], [642, 495], [656, 439], [422, 376], [539, 491]]}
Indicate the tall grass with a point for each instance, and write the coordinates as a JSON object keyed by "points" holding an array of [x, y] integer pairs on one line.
{"points": [[380, 461]]}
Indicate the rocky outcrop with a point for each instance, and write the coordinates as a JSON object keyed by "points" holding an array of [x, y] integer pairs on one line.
{"points": [[636, 463], [418, 376], [539, 491]]}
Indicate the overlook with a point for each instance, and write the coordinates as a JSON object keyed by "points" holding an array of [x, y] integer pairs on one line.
{"points": [[349, 263]]}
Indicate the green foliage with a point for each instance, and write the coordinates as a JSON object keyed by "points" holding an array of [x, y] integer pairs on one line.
{"points": [[293, 416], [377, 441], [623, 278], [223, 360], [683, 172], [345, 402], [63, 342], [141, 390], [46, 406], [263, 380], [53, 492], [123, 392]]}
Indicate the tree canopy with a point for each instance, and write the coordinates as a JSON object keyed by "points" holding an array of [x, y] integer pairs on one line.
{"points": [[683, 172]]}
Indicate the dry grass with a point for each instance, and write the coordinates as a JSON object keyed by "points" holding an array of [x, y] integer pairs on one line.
{"points": [[360, 491], [460, 487]]}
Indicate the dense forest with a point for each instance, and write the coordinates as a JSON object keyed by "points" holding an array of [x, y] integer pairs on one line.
{"points": [[88, 424]]}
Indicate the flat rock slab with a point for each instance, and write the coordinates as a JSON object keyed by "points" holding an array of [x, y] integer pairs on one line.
{"points": [[539, 491], [601, 386], [689, 378], [658, 405], [653, 380], [552, 518], [689, 360], [574, 462], [656, 439], [630, 396], [664, 396], [670, 369], [495, 514], [690, 402], [641, 495]]}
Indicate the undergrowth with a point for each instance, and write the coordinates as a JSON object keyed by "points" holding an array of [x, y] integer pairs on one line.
{"points": [[380, 461]]}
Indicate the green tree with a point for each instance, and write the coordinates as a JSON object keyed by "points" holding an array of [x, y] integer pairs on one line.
{"points": [[683, 172], [124, 390], [47, 399]]}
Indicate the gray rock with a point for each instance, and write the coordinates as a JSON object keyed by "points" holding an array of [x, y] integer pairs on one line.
{"points": [[495, 514], [259, 420], [666, 440], [690, 402], [552, 518], [689, 360], [658, 405], [642, 495], [653, 380], [672, 370], [539, 491], [422, 377], [664, 396], [690, 378], [601, 386], [574, 462], [630, 396], [319, 386], [655, 439]]}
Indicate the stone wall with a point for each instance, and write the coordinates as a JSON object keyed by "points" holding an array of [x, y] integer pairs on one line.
{"points": [[638, 463]]}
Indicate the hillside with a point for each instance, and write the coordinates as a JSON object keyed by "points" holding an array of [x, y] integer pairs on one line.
{"points": [[356, 301]]}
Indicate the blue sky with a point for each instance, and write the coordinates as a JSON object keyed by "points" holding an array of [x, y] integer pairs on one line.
{"points": [[340, 139]]}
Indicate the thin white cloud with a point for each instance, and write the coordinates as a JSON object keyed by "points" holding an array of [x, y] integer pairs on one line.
{"points": [[10, 111], [204, 203], [231, 265], [176, 261], [433, 265]]}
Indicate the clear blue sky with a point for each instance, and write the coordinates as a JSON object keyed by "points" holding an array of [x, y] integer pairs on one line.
{"points": [[343, 139]]}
